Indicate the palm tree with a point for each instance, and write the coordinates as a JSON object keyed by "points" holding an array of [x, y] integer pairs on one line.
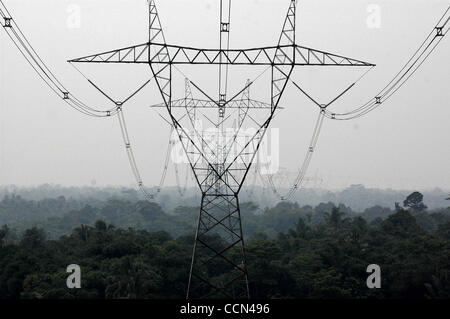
{"points": [[82, 232], [135, 280], [438, 288], [3, 235], [335, 218]]}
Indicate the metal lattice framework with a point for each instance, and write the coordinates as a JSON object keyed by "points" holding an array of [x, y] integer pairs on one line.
{"points": [[220, 162], [255, 56]]}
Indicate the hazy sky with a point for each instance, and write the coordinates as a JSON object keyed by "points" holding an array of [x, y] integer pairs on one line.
{"points": [[404, 144]]}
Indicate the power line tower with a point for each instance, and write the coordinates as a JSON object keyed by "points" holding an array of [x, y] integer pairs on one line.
{"points": [[219, 160]]}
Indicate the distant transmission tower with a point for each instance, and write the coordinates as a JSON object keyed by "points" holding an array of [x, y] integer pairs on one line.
{"points": [[221, 162]]}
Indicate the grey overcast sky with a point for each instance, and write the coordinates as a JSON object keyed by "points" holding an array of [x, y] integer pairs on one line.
{"points": [[402, 145]]}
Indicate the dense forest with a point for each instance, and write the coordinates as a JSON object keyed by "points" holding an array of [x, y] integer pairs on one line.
{"points": [[133, 249], [59, 215], [356, 197]]}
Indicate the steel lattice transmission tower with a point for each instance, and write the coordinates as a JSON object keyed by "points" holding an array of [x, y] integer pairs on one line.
{"points": [[220, 164]]}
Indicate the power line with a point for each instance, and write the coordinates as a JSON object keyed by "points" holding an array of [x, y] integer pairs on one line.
{"points": [[220, 177], [48, 77], [423, 52], [25, 48]]}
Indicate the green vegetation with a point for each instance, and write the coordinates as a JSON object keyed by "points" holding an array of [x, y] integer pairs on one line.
{"points": [[135, 250]]}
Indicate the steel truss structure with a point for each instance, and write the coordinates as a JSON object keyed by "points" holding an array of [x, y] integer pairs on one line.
{"points": [[221, 164], [219, 170], [187, 55]]}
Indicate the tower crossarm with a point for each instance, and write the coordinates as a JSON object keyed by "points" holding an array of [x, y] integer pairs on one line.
{"points": [[180, 55], [207, 104], [221, 163]]}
